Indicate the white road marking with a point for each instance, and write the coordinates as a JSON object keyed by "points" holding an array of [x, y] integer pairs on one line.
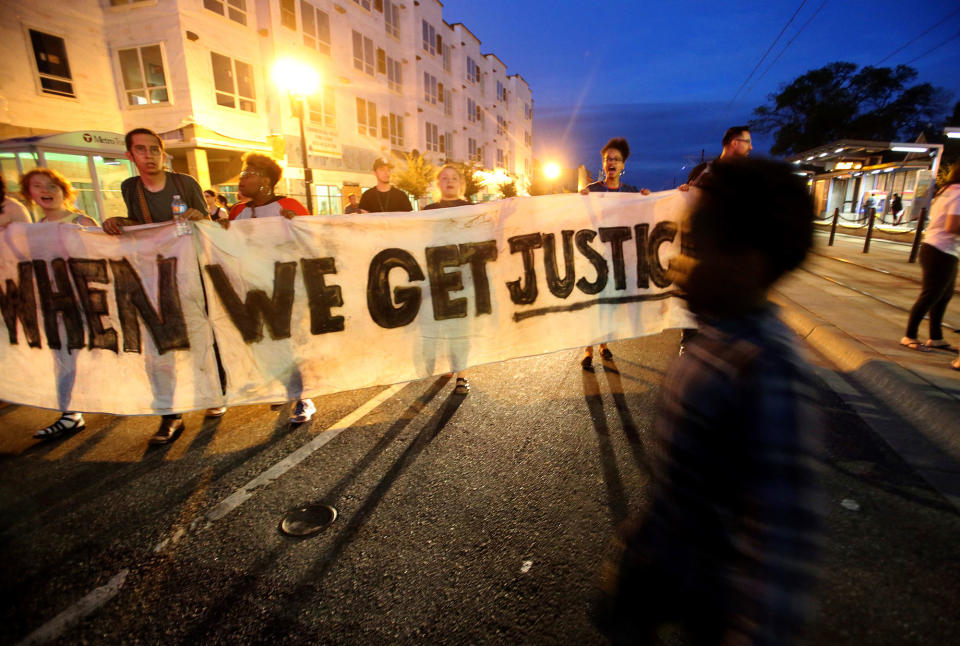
{"points": [[93, 601], [100, 596], [525, 567], [245, 492]]}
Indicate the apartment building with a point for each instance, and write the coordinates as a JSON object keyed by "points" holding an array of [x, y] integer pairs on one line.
{"points": [[394, 77]]}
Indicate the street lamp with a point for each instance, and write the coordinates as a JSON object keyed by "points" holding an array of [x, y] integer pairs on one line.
{"points": [[300, 81]]}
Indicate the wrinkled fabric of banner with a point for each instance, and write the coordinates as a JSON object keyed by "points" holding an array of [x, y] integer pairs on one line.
{"points": [[316, 305], [74, 303]]}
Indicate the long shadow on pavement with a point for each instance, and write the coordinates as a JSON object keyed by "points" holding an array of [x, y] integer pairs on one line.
{"points": [[616, 495]]}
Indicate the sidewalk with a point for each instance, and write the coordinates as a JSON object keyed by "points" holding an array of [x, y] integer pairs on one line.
{"points": [[860, 336]]}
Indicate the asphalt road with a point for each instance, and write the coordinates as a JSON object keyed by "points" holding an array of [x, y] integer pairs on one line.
{"points": [[476, 520]]}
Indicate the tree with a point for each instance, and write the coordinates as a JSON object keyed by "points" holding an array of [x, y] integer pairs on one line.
{"points": [[470, 184], [508, 189], [416, 176], [838, 101]]}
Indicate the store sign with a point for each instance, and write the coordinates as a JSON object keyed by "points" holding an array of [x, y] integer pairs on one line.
{"points": [[848, 165], [101, 141], [324, 142]]}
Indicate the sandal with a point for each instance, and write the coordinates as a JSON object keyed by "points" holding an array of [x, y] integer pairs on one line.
{"points": [[913, 344], [939, 344], [462, 387], [66, 424], [605, 353]]}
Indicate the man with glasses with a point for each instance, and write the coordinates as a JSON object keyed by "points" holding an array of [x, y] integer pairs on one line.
{"points": [[149, 198], [736, 143]]}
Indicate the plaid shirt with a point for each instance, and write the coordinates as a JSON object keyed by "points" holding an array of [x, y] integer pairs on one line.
{"points": [[730, 540]]}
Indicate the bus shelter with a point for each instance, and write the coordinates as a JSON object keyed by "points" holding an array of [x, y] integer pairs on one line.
{"points": [[95, 162]]}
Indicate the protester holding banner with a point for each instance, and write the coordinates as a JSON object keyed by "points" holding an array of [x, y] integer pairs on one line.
{"points": [[258, 182], [614, 156], [10, 209], [54, 194], [149, 198], [451, 185], [384, 198]]}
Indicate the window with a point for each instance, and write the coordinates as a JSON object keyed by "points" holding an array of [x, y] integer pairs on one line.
{"points": [[316, 28], [235, 10], [363, 56], [391, 18], [473, 70], [501, 92], [429, 38], [448, 103], [141, 69], [446, 143], [50, 53], [433, 137], [527, 111], [472, 149], [366, 117], [473, 111], [527, 139], [396, 130], [394, 78], [501, 125], [288, 14], [322, 109], [362, 3], [446, 58], [385, 126], [329, 200], [381, 61], [233, 81], [500, 159], [430, 88]]}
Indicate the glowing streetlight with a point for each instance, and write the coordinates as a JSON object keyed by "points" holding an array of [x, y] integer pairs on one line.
{"points": [[300, 81], [551, 170]]}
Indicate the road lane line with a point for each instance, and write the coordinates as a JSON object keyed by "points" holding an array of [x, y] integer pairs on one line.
{"points": [[100, 596], [93, 601], [245, 492]]}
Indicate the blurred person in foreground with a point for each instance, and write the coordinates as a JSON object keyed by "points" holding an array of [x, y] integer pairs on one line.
{"points": [[728, 546], [613, 156], [451, 184], [258, 183]]}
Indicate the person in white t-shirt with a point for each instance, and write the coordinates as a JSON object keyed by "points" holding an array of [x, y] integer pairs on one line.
{"points": [[938, 259]]}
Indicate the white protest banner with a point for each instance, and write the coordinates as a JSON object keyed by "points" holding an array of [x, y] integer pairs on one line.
{"points": [[315, 305], [104, 323]]}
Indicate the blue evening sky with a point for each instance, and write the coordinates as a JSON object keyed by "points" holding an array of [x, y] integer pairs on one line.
{"points": [[666, 73]]}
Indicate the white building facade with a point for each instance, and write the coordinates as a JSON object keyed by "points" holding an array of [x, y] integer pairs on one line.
{"points": [[394, 77]]}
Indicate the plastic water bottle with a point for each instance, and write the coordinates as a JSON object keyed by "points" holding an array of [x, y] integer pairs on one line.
{"points": [[180, 216]]}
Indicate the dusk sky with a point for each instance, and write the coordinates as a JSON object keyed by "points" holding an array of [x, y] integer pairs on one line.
{"points": [[666, 74]]}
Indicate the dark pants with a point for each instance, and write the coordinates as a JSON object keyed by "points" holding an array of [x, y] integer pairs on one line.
{"points": [[939, 276]]}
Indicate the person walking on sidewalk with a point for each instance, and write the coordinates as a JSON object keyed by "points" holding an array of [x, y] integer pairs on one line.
{"points": [[938, 260]]}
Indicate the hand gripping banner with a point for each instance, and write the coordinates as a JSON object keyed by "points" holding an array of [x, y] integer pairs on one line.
{"points": [[316, 305]]}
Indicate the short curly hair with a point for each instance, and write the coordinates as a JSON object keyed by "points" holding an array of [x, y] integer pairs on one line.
{"points": [[265, 164], [69, 195], [617, 143]]}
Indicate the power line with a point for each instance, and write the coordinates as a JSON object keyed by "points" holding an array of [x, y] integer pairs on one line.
{"points": [[787, 46], [918, 37], [766, 53], [933, 48]]}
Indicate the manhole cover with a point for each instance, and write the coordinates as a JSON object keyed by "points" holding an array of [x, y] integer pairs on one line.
{"points": [[308, 520]]}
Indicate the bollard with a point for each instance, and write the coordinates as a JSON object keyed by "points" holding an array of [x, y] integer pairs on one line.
{"points": [[916, 239], [833, 227], [873, 217]]}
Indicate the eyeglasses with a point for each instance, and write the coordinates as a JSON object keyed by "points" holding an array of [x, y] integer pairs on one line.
{"points": [[749, 141]]}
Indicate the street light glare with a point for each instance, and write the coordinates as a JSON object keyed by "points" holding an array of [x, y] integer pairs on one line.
{"points": [[551, 170], [296, 77]]}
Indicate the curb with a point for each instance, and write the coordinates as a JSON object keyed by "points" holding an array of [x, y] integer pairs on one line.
{"points": [[931, 411]]}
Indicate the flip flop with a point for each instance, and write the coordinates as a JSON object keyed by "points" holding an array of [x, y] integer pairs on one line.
{"points": [[913, 344], [940, 344]]}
